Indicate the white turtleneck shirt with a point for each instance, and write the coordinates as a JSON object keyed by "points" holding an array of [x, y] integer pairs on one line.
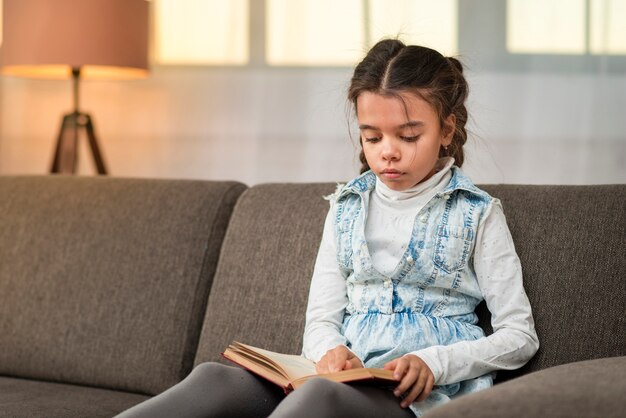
{"points": [[392, 213]]}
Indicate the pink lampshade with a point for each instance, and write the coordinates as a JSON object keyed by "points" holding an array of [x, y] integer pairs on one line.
{"points": [[47, 38]]}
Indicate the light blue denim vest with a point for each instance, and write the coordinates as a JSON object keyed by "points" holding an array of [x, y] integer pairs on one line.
{"points": [[430, 297]]}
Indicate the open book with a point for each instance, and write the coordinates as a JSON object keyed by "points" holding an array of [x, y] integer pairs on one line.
{"points": [[291, 371]]}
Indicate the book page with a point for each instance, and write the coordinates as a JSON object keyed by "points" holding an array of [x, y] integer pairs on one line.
{"points": [[293, 365]]}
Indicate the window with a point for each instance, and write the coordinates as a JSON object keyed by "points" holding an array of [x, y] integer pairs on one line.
{"points": [[321, 32], [566, 26], [546, 26], [201, 32], [296, 32], [423, 22], [330, 32], [608, 27]]}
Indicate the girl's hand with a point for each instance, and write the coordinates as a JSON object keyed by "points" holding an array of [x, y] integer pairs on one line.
{"points": [[337, 359], [416, 378]]}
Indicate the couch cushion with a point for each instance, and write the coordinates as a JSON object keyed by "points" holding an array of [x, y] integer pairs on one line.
{"points": [[29, 398], [261, 286], [571, 241], [104, 281], [593, 388]]}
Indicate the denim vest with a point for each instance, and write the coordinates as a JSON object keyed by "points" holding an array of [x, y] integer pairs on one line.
{"points": [[430, 297]]}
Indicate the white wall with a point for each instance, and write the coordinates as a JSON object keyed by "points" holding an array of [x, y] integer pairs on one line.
{"points": [[274, 125]]}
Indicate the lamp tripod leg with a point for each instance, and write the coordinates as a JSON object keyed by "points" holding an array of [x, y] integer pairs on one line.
{"points": [[66, 148], [93, 144], [56, 162]]}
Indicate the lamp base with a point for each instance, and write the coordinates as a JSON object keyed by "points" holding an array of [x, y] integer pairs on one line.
{"points": [[66, 154]]}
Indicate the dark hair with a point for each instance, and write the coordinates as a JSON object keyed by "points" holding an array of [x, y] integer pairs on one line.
{"points": [[391, 67]]}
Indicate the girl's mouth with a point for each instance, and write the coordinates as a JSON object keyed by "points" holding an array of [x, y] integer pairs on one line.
{"points": [[390, 173]]}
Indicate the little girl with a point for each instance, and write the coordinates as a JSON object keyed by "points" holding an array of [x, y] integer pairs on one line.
{"points": [[409, 249]]}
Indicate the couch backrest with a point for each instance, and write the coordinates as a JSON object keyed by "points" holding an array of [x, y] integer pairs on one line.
{"points": [[571, 241], [104, 281], [261, 286]]}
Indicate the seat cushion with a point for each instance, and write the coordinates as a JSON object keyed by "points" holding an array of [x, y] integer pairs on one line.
{"points": [[30, 398], [104, 281], [592, 388]]}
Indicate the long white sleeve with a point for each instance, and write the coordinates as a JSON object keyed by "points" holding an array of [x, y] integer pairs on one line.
{"points": [[327, 299], [514, 340]]}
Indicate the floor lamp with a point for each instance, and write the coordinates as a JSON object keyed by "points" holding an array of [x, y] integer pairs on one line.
{"points": [[77, 39]]}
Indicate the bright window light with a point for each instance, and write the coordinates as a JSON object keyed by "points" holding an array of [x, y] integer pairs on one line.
{"points": [[546, 26], [421, 22], [608, 27], [330, 32], [321, 32], [201, 32]]}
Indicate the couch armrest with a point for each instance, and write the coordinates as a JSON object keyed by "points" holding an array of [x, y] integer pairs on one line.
{"points": [[592, 388]]}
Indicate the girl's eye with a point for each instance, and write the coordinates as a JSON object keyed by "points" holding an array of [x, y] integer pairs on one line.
{"points": [[372, 139], [410, 138]]}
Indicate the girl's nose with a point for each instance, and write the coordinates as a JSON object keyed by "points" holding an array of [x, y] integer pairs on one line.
{"points": [[390, 152]]}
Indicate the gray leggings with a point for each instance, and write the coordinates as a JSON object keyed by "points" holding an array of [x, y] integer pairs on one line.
{"points": [[215, 390]]}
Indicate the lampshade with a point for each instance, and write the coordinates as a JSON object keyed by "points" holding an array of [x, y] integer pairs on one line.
{"points": [[103, 38]]}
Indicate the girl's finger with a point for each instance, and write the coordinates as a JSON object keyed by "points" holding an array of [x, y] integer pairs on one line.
{"points": [[338, 360], [402, 366], [391, 365], [399, 374], [415, 390], [428, 387], [408, 381], [322, 366], [355, 363], [331, 360]]}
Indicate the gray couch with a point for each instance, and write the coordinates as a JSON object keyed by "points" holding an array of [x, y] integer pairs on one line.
{"points": [[111, 290]]}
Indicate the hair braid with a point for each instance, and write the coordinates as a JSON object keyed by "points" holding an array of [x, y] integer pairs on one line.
{"points": [[457, 96]]}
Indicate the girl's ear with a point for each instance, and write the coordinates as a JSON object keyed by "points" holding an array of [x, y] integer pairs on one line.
{"points": [[449, 127]]}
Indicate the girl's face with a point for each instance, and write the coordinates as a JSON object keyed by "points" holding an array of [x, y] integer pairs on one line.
{"points": [[401, 138]]}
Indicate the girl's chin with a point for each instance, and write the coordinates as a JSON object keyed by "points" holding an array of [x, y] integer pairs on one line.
{"points": [[397, 185], [400, 183]]}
